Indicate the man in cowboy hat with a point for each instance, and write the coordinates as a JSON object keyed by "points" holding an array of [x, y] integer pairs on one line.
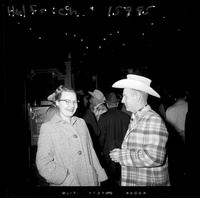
{"points": [[142, 155]]}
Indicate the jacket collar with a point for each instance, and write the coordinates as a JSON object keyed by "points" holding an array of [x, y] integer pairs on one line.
{"points": [[58, 119], [138, 114]]}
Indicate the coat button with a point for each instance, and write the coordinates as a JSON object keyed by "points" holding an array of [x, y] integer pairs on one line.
{"points": [[75, 136], [79, 152]]}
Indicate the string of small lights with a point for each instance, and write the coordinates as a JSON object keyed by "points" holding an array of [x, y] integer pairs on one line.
{"points": [[103, 29]]}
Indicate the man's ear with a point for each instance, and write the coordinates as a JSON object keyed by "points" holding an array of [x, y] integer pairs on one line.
{"points": [[139, 96]]}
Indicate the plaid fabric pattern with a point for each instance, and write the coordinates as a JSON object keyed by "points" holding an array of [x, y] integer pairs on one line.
{"points": [[143, 154]]}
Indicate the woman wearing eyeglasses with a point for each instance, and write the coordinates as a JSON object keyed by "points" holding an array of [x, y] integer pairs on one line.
{"points": [[65, 154]]}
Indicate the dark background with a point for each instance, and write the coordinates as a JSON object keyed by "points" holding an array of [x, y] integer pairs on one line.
{"points": [[161, 43], [157, 41]]}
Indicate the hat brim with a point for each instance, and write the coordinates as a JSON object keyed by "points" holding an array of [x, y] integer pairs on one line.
{"points": [[133, 84], [91, 93]]}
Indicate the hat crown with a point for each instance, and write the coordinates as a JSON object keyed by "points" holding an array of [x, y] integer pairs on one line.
{"points": [[97, 94], [141, 79]]}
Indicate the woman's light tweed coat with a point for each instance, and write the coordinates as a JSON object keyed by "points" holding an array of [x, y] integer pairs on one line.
{"points": [[65, 155]]}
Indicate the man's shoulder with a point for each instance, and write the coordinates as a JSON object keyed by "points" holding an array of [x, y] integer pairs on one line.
{"points": [[151, 114]]}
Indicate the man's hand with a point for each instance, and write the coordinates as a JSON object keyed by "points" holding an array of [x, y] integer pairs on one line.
{"points": [[114, 155]]}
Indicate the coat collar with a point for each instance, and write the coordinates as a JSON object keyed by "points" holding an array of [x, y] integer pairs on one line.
{"points": [[135, 118], [138, 114], [58, 119]]}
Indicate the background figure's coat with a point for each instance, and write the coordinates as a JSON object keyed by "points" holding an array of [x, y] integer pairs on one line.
{"points": [[113, 124]]}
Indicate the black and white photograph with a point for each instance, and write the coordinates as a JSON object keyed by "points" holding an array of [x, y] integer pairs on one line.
{"points": [[97, 98]]}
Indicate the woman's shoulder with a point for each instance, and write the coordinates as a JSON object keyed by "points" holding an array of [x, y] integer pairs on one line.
{"points": [[47, 125], [80, 122], [78, 119]]}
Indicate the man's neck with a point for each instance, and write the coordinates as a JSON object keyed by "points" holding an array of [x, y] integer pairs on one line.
{"points": [[140, 108]]}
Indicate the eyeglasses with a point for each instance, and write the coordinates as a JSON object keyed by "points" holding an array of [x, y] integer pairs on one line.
{"points": [[75, 102]]}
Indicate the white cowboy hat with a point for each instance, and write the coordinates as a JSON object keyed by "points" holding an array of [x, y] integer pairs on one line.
{"points": [[136, 82]]}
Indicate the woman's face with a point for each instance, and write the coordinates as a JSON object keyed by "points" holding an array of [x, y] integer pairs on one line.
{"points": [[67, 103]]}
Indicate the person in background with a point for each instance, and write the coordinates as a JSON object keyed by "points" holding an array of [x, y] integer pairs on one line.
{"points": [[96, 108], [142, 155], [97, 102], [176, 113], [91, 117], [175, 122], [113, 125], [65, 154]]}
